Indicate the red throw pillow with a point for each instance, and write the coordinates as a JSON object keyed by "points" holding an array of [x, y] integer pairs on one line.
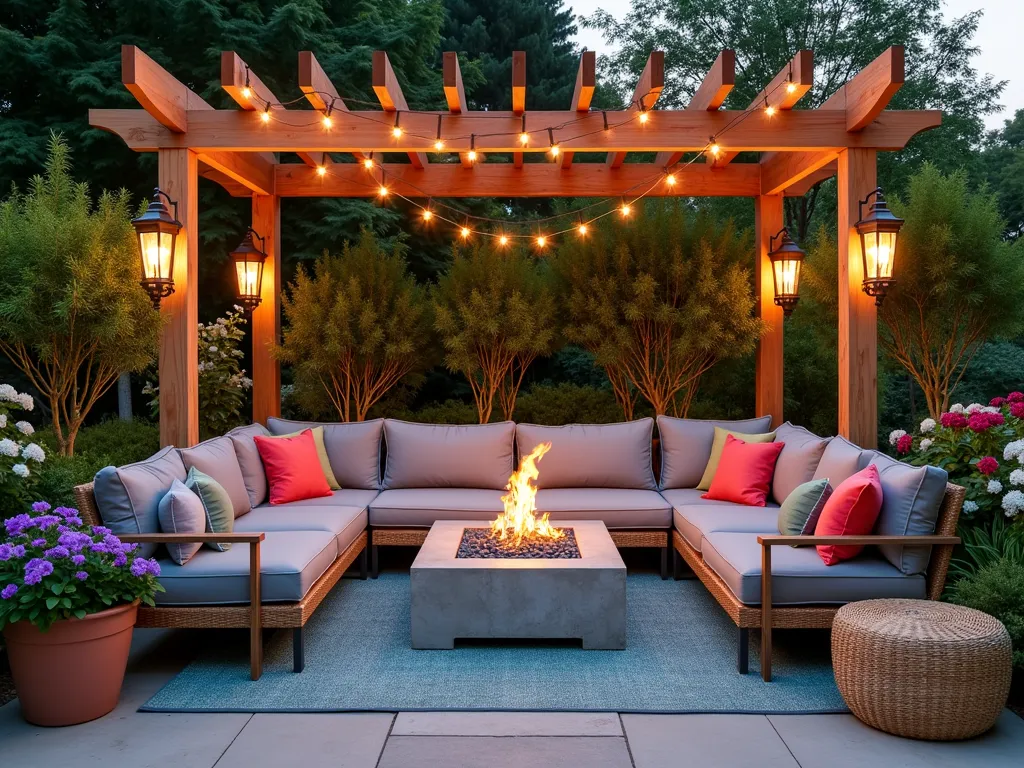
{"points": [[744, 472], [851, 510], [293, 467]]}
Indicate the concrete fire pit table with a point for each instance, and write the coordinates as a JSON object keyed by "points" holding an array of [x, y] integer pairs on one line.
{"points": [[517, 598]]}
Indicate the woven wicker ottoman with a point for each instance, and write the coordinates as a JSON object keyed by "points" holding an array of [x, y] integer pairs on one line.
{"points": [[921, 668]]}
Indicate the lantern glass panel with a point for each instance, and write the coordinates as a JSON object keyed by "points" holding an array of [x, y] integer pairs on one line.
{"points": [[879, 253], [157, 248], [787, 276], [248, 274]]}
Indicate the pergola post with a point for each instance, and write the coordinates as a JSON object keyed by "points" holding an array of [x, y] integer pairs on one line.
{"points": [[768, 219], [266, 318], [858, 332], [179, 351]]}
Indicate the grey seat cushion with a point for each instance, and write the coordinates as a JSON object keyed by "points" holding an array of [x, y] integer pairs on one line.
{"points": [[592, 455], [840, 460], [621, 508], [128, 497], [694, 522], [447, 455], [799, 577], [692, 497], [344, 523], [686, 446], [290, 563], [353, 448], [216, 457], [797, 461], [346, 497], [421, 507], [911, 498], [249, 461]]}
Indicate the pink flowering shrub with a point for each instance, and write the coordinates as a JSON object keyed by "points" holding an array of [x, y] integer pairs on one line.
{"points": [[982, 449]]}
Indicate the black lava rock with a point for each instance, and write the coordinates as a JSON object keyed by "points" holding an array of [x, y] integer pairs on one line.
{"points": [[481, 543]]}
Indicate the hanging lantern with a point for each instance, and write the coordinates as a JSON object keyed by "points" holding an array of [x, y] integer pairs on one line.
{"points": [[787, 259], [878, 232], [248, 261], [157, 230]]}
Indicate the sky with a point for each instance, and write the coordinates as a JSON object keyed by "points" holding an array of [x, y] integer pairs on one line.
{"points": [[999, 36]]}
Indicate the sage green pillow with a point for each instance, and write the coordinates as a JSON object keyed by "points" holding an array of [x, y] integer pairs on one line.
{"points": [[716, 452], [799, 513], [220, 514]]}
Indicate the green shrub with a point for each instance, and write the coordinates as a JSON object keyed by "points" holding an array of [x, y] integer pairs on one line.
{"points": [[997, 589], [567, 404], [448, 412], [984, 544]]}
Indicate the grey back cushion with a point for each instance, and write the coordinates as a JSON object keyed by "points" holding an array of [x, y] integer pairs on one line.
{"points": [[592, 455], [798, 460], [128, 497], [686, 446], [353, 448], [216, 458], [249, 461], [447, 456], [840, 460], [911, 498]]}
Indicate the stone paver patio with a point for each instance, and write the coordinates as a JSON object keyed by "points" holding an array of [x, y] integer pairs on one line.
{"points": [[466, 739]]}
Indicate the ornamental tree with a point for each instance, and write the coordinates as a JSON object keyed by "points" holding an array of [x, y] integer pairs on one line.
{"points": [[495, 313], [659, 300], [356, 325], [73, 317]]}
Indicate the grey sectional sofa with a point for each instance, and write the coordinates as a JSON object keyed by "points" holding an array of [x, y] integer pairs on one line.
{"points": [[398, 478]]}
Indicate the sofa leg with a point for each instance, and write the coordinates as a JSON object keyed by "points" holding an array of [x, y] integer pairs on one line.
{"points": [[374, 567], [363, 567], [743, 651], [677, 564], [664, 563], [298, 651]]}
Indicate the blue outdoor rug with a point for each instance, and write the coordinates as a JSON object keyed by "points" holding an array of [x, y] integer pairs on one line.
{"points": [[681, 657]]}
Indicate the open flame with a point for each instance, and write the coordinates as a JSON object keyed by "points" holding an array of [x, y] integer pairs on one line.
{"points": [[519, 521]]}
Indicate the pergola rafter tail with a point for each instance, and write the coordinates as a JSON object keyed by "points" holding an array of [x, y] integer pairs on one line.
{"points": [[709, 97]]}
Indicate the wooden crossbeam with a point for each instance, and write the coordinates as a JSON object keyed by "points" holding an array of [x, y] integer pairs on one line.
{"points": [[868, 93], [646, 93], [715, 86], [533, 180], [389, 94], [169, 102], [252, 95], [802, 187], [583, 93], [518, 94], [320, 91], [455, 93], [783, 169], [797, 130], [782, 93]]}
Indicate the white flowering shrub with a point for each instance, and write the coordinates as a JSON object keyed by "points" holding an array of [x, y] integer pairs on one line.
{"points": [[223, 385], [19, 458]]}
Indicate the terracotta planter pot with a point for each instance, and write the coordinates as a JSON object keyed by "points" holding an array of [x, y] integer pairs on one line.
{"points": [[73, 672]]}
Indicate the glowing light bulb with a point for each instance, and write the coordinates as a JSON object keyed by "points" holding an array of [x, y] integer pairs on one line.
{"points": [[368, 163], [320, 170], [247, 92], [715, 150], [327, 122], [265, 116], [438, 145], [769, 110], [396, 132], [503, 240], [541, 241], [383, 191], [790, 87], [427, 214], [643, 118], [464, 232], [625, 209], [582, 229], [524, 138], [671, 179], [471, 155], [554, 150]]}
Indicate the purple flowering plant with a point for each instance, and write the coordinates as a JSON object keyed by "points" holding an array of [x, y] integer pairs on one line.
{"points": [[53, 566]]}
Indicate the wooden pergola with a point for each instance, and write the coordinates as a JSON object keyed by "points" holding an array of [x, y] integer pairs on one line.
{"points": [[234, 147]]}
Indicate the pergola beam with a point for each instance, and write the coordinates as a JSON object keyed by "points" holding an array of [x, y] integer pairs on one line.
{"points": [[534, 180], [646, 93], [518, 94], [389, 94], [782, 93], [799, 130], [869, 92], [455, 93], [319, 90], [783, 169], [710, 95], [583, 93]]}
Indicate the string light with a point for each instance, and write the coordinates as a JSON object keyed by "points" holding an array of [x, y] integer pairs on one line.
{"points": [[670, 179], [439, 142], [643, 117], [321, 170], [769, 109], [464, 232], [396, 129], [247, 93], [790, 86], [524, 137], [625, 209], [503, 240], [383, 191], [427, 214], [439, 145], [265, 115], [713, 147], [582, 229], [368, 162], [327, 122], [471, 155], [554, 146], [541, 241]]}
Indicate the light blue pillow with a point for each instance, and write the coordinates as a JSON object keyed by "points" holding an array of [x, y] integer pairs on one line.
{"points": [[181, 511]]}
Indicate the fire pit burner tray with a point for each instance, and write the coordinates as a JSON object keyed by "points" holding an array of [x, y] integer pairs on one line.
{"points": [[480, 542]]}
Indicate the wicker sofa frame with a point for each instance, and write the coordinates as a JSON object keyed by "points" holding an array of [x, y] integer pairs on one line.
{"points": [[270, 616], [767, 617]]}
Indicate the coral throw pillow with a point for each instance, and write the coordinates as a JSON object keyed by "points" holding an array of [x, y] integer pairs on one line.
{"points": [[744, 472], [851, 510], [293, 467]]}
